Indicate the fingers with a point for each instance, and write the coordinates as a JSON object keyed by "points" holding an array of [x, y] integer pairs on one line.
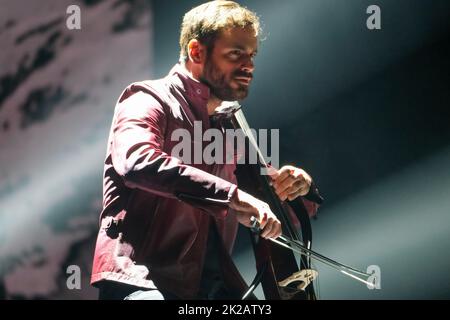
{"points": [[269, 224], [295, 191], [281, 174], [288, 186], [246, 207], [263, 218], [272, 228], [287, 176], [296, 194], [291, 183]]}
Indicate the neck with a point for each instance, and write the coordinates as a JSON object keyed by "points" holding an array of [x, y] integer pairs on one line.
{"points": [[213, 101]]}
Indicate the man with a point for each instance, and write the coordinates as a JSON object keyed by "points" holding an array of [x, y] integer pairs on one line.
{"points": [[153, 243]]}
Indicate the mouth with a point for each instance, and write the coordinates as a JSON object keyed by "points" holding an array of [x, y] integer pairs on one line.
{"points": [[243, 80]]}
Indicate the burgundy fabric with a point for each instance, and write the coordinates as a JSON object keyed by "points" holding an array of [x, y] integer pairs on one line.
{"points": [[148, 236]]}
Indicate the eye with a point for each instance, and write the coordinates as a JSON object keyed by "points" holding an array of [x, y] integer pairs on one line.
{"points": [[235, 54]]}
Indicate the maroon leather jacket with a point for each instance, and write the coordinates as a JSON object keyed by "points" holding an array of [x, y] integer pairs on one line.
{"points": [[148, 236]]}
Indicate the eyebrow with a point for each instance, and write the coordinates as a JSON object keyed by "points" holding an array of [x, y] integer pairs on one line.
{"points": [[242, 48]]}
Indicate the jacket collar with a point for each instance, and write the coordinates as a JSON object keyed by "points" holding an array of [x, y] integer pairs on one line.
{"points": [[195, 92]]}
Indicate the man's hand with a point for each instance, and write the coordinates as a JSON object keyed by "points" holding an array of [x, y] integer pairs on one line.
{"points": [[290, 182], [247, 206]]}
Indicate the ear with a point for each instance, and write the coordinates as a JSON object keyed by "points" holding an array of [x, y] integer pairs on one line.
{"points": [[196, 51]]}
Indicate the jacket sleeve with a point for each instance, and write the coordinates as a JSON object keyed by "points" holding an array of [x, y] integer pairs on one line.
{"points": [[312, 200], [136, 149]]}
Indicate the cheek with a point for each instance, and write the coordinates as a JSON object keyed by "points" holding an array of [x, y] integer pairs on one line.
{"points": [[227, 68], [226, 71]]}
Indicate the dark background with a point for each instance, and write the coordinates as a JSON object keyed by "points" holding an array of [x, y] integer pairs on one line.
{"points": [[348, 100], [366, 113]]}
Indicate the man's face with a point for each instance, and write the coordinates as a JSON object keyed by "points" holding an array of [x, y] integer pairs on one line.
{"points": [[228, 69]]}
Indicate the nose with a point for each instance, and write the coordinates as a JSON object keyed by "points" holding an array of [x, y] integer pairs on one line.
{"points": [[248, 65]]}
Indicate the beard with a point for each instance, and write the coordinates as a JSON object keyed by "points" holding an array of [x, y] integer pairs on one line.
{"points": [[220, 86]]}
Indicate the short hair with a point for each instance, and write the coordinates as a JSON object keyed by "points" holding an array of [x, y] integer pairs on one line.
{"points": [[206, 21]]}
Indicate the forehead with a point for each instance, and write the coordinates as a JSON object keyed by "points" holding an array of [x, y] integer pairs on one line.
{"points": [[238, 37]]}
